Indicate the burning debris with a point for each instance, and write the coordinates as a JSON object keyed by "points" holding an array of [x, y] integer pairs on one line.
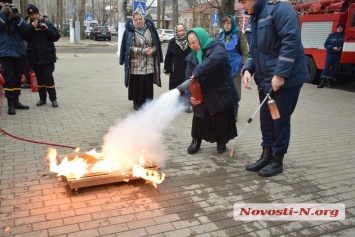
{"points": [[132, 148], [81, 169]]}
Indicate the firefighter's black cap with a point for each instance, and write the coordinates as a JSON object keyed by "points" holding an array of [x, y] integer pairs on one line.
{"points": [[32, 9], [340, 24]]}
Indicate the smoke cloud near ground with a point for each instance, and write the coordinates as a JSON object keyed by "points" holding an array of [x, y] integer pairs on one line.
{"points": [[140, 135]]}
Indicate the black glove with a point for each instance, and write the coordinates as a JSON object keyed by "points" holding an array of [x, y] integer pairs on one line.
{"points": [[13, 15], [5, 9]]}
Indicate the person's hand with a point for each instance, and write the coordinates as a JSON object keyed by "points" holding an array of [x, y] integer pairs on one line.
{"points": [[194, 102], [44, 26], [246, 79], [148, 51], [5, 9], [277, 81], [35, 24], [166, 73], [13, 15], [336, 48]]}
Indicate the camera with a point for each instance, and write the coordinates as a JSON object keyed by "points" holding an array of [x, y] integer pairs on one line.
{"points": [[13, 8], [40, 24]]}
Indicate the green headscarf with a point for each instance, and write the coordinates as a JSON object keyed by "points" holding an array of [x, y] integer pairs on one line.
{"points": [[203, 38]]}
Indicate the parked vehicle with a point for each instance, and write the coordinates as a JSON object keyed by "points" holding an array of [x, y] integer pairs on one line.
{"points": [[113, 31], [87, 31], [317, 20], [100, 32], [165, 35], [88, 26]]}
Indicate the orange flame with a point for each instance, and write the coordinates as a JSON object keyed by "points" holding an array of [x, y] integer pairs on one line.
{"points": [[96, 162]]}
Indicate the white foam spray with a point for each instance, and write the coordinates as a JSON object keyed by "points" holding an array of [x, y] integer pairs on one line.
{"points": [[140, 135]]}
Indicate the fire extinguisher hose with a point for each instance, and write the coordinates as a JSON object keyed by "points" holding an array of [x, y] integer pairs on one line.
{"points": [[22, 138], [231, 154]]}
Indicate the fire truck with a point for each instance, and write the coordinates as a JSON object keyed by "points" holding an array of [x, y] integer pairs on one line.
{"points": [[317, 20]]}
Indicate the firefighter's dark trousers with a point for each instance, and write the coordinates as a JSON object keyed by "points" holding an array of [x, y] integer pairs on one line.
{"points": [[45, 81], [331, 66], [13, 68]]}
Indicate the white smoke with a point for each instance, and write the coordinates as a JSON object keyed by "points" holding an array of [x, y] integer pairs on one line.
{"points": [[140, 135]]}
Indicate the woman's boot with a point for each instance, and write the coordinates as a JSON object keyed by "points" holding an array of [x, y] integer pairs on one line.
{"points": [[194, 146]]}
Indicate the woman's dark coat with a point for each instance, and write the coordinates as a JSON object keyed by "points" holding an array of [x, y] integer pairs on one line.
{"points": [[175, 63], [215, 78], [40, 44], [125, 51]]}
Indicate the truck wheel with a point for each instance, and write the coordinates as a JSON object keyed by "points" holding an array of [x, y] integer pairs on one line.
{"points": [[313, 71]]}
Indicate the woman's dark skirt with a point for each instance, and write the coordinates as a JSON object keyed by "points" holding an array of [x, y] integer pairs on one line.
{"points": [[140, 88], [220, 127]]}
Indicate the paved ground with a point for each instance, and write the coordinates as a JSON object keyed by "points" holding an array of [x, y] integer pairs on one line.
{"points": [[197, 197]]}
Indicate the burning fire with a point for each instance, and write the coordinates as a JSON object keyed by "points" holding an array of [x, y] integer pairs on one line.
{"points": [[93, 162]]}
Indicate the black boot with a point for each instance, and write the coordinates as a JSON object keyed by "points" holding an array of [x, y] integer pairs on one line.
{"points": [[321, 84], [221, 147], [54, 104], [329, 82], [194, 146], [264, 160], [275, 167], [41, 102], [18, 105], [11, 104], [42, 95]]}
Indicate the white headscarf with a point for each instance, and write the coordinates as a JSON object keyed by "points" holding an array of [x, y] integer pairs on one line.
{"points": [[135, 13], [182, 42]]}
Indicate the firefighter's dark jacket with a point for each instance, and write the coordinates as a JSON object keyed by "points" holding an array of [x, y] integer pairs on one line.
{"points": [[274, 38], [11, 31], [40, 44], [334, 40]]}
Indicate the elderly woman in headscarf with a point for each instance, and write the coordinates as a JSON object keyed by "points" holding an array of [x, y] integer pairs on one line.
{"points": [[175, 64], [141, 53], [237, 48], [208, 64]]}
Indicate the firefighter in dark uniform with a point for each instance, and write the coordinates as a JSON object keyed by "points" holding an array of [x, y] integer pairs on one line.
{"points": [[12, 53], [276, 61], [41, 54], [334, 46]]}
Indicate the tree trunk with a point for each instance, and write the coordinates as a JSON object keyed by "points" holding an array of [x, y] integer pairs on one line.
{"points": [[158, 14], [175, 12], [82, 18], [227, 7], [194, 14], [163, 22], [60, 17], [23, 7]]}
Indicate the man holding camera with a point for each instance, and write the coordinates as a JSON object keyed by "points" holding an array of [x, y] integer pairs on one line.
{"points": [[41, 54], [12, 53]]}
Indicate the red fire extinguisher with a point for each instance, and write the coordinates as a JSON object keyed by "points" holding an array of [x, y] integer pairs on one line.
{"points": [[2, 82], [34, 87]]}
